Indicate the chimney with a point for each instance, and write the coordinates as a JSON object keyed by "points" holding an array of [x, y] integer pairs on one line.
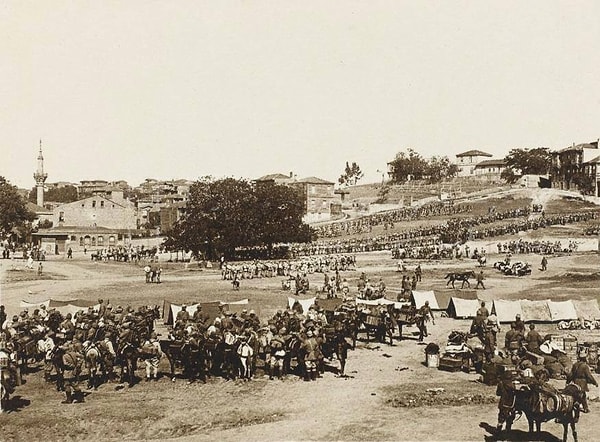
{"points": [[291, 174]]}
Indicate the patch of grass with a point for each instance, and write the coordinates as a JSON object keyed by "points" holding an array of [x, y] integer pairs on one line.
{"points": [[454, 394]]}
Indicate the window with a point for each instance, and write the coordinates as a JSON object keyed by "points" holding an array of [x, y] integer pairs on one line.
{"points": [[102, 204], [81, 241], [93, 203], [93, 240], [61, 217], [74, 238], [100, 240], [82, 204]]}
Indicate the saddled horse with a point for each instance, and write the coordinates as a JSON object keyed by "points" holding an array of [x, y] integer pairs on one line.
{"points": [[64, 361], [378, 325], [93, 363], [540, 407], [337, 342], [127, 356], [460, 276], [189, 355]]}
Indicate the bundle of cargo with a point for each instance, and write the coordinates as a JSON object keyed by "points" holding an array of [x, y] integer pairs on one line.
{"points": [[457, 354]]}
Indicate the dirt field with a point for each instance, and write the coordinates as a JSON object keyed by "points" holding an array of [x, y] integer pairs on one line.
{"points": [[383, 398]]}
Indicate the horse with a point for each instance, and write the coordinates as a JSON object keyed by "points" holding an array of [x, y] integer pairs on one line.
{"points": [[541, 406], [63, 361], [93, 362], [336, 342], [379, 325], [482, 260], [189, 355], [127, 357], [460, 276]]}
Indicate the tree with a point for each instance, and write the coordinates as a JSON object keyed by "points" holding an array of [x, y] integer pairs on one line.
{"points": [[526, 162], [439, 168], [352, 174], [228, 213], [13, 211], [407, 166], [66, 194]]}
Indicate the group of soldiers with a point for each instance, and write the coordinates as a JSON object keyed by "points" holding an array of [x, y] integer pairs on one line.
{"points": [[268, 269], [389, 218]]}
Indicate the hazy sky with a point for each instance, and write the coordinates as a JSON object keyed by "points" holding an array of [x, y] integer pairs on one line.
{"points": [[182, 89]]}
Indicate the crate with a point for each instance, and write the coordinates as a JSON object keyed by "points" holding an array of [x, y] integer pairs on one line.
{"points": [[449, 363], [535, 358], [559, 341], [570, 342]]}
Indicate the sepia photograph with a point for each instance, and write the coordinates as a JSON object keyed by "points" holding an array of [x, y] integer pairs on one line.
{"points": [[260, 220]]}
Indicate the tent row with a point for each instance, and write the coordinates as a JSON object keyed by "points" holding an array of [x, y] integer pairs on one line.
{"points": [[212, 309], [545, 310], [72, 306]]}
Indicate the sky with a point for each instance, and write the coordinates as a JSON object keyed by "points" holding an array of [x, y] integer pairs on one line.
{"points": [[184, 89]]}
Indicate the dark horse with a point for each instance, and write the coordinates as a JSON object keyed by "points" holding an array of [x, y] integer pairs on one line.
{"points": [[460, 276], [541, 406], [63, 361], [337, 342], [189, 355]]}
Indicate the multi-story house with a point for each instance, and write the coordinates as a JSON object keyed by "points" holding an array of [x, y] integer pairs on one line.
{"points": [[573, 165], [466, 161]]}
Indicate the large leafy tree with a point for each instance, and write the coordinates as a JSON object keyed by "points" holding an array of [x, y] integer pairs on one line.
{"points": [[526, 162], [352, 174], [66, 194], [440, 168], [228, 213], [13, 211], [408, 165]]}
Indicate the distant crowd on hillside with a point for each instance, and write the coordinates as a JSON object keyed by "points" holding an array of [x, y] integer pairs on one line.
{"points": [[427, 242], [366, 223]]}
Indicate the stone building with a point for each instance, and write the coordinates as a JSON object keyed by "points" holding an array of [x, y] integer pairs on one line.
{"points": [[466, 161], [574, 163]]}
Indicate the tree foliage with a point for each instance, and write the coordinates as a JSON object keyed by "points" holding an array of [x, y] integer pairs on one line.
{"points": [[411, 165], [66, 194], [526, 162], [228, 213], [13, 211], [352, 174]]}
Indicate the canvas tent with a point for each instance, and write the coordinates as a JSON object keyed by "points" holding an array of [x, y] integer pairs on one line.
{"points": [[562, 311], [305, 303], [72, 306], [535, 311], [418, 299], [505, 310], [329, 304], [587, 310], [462, 308], [444, 297], [212, 309]]}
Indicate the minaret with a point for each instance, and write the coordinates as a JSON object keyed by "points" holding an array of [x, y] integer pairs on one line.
{"points": [[40, 178]]}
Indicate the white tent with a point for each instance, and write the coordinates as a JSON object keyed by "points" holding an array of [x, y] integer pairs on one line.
{"points": [[305, 303], [562, 311], [505, 310], [587, 310], [380, 301], [418, 299], [463, 308], [537, 311]]}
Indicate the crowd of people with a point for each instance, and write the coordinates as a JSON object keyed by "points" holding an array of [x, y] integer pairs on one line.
{"points": [[535, 246], [388, 219]]}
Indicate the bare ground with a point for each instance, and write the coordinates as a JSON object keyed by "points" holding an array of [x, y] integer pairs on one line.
{"points": [[384, 396]]}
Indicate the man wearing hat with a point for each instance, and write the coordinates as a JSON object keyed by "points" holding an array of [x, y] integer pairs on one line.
{"points": [[152, 348], [422, 316], [101, 308], [533, 340], [311, 348], [47, 346], [183, 316], [581, 375], [489, 337]]}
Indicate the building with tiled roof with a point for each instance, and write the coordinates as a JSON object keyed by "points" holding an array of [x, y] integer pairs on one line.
{"points": [[572, 164], [466, 161]]}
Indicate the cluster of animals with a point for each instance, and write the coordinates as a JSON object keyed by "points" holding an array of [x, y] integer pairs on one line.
{"points": [[517, 268], [124, 254]]}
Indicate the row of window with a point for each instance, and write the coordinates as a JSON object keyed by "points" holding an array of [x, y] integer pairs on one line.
{"points": [[94, 204], [95, 241]]}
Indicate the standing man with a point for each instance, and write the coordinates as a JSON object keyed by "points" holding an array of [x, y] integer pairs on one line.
{"points": [[533, 340], [581, 375], [423, 315], [483, 312], [418, 272], [480, 279], [544, 263]]}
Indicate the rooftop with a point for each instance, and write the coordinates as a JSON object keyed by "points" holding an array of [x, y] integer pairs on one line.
{"points": [[474, 153]]}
